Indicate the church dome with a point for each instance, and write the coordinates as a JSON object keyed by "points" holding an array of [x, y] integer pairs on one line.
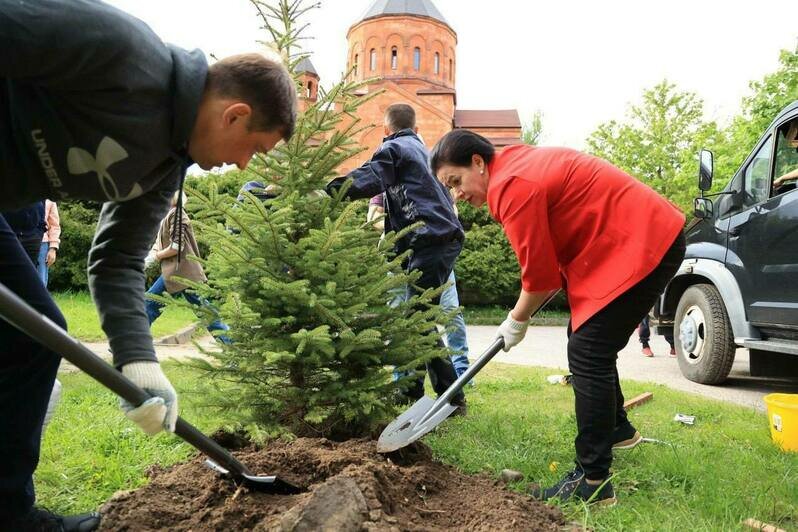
{"points": [[403, 41], [419, 8]]}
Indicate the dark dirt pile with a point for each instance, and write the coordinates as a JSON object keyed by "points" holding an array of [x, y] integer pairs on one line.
{"points": [[350, 487]]}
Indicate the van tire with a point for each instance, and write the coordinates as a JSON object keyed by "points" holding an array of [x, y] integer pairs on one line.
{"points": [[701, 315]]}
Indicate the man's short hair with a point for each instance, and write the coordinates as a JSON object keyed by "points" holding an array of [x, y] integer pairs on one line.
{"points": [[400, 116], [265, 85]]}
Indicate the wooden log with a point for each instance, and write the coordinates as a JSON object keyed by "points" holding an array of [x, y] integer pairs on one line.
{"points": [[763, 527], [637, 401]]}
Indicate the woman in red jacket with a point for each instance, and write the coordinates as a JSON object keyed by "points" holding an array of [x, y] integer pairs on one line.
{"points": [[575, 222]]}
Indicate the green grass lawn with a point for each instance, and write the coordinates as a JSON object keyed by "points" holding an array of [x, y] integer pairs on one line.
{"points": [[84, 324], [712, 476], [495, 315]]}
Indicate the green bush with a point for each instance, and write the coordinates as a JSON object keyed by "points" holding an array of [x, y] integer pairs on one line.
{"points": [[487, 270], [229, 182], [471, 216], [78, 223]]}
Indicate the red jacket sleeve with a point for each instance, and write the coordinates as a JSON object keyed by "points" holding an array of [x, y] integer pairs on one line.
{"points": [[523, 212]]}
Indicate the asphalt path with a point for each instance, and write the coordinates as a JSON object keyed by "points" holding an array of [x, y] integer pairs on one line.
{"points": [[546, 347]]}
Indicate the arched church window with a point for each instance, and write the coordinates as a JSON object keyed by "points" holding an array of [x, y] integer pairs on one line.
{"points": [[373, 59], [310, 89], [417, 59], [394, 58], [437, 64], [354, 66], [451, 70]]}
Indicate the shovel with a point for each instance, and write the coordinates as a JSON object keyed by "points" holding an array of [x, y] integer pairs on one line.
{"points": [[22, 316], [428, 413]]}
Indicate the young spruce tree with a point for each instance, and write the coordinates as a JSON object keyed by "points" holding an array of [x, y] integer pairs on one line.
{"points": [[304, 282]]}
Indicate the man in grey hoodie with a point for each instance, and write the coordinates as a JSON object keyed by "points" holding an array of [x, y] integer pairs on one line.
{"points": [[94, 106]]}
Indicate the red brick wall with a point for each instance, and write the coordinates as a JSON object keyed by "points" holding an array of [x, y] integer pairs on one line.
{"points": [[434, 112]]}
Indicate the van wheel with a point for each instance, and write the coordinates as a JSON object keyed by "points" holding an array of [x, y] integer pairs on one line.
{"points": [[703, 335]]}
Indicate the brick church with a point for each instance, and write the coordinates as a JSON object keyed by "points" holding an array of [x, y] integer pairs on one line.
{"points": [[409, 48]]}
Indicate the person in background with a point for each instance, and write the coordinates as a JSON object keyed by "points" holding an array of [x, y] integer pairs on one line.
{"points": [[400, 169], [456, 337], [50, 241], [176, 240], [789, 176], [644, 334], [28, 225], [576, 222]]}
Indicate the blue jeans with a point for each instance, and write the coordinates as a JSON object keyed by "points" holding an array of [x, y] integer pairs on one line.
{"points": [[456, 337], [435, 264], [41, 264], [27, 374], [154, 308]]}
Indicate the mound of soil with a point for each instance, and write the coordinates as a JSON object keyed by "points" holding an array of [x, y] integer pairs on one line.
{"points": [[349, 487]]}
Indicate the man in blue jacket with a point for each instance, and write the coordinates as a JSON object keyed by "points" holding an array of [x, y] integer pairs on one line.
{"points": [[400, 169], [94, 106]]}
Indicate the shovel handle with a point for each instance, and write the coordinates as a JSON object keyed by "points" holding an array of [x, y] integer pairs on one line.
{"points": [[39, 327], [473, 369]]}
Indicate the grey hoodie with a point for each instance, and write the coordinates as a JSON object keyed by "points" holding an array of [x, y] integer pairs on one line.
{"points": [[94, 106]]}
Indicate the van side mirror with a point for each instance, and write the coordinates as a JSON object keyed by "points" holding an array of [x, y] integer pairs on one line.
{"points": [[703, 208], [705, 170]]}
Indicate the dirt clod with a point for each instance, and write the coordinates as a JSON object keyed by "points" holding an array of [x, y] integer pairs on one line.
{"points": [[350, 487], [511, 475]]}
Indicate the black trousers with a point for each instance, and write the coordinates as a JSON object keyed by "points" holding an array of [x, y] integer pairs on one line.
{"points": [[436, 265], [27, 374], [592, 357]]}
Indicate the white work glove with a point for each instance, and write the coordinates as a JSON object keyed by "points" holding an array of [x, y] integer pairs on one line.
{"points": [[512, 331], [158, 412]]}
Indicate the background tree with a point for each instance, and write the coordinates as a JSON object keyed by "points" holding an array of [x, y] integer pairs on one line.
{"points": [[304, 283], [659, 142], [768, 96], [531, 133]]}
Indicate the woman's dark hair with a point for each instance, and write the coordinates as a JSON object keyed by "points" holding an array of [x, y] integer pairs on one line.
{"points": [[457, 147]]}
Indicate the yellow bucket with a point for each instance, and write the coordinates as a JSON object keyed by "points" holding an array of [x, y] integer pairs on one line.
{"points": [[783, 418]]}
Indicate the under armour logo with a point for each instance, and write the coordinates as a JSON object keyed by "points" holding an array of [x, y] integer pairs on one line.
{"points": [[79, 161]]}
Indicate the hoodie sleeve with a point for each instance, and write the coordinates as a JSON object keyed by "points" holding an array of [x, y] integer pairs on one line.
{"points": [[116, 272], [80, 44], [375, 175]]}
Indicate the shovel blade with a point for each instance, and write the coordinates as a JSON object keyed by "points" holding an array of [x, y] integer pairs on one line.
{"points": [[264, 484], [413, 424]]}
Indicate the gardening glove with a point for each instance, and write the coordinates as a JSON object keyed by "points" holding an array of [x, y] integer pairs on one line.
{"points": [[158, 412], [512, 331]]}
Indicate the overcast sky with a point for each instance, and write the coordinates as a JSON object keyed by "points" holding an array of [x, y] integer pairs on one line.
{"points": [[579, 62]]}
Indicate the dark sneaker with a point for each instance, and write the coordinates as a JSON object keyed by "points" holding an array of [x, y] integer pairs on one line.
{"points": [[574, 487], [462, 408], [41, 520], [626, 437]]}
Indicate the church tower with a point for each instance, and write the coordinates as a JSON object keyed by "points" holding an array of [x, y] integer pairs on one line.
{"points": [[407, 48]]}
